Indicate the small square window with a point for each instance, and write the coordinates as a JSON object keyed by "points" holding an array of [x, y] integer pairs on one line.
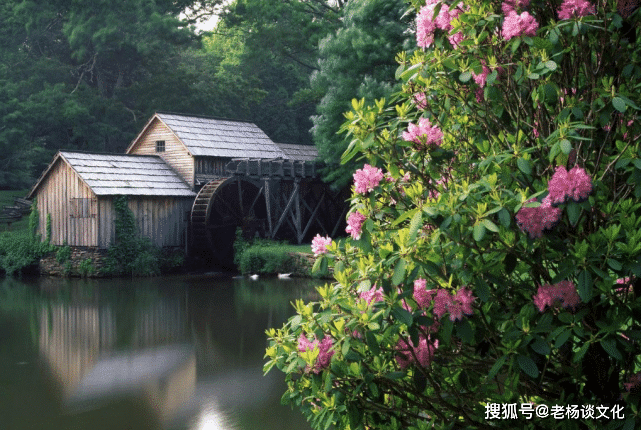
{"points": [[160, 146]]}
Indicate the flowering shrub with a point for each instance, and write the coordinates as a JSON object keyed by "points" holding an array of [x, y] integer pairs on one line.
{"points": [[499, 262]]}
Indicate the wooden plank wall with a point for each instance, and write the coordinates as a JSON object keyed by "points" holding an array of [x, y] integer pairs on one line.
{"points": [[55, 197], [211, 165], [161, 219], [175, 154]]}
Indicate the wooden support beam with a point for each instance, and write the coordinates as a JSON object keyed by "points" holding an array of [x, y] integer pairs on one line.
{"points": [[268, 206], [313, 217], [338, 221], [286, 210], [240, 198], [297, 220]]}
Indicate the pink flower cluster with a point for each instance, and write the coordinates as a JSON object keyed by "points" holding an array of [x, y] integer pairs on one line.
{"points": [[421, 354], [367, 178], [420, 100], [325, 351], [516, 25], [374, 294], [426, 24], [563, 293], [424, 133], [575, 9], [514, 5], [575, 184], [320, 244], [534, 221], [444, 301], [481, 78], [355, 224]]}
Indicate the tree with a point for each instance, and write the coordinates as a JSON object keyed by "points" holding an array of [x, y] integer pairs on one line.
{"points": [[493, 274], [279, 52], [68, 72], [356, 60]]}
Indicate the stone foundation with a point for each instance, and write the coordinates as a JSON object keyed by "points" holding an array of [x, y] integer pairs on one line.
{"points": [[72, 266]]}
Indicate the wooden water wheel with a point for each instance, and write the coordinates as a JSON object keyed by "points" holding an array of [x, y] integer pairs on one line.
{"points": [[221, 206]]}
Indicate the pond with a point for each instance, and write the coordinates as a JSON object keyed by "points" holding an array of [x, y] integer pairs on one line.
{"points": [[183, 352]]}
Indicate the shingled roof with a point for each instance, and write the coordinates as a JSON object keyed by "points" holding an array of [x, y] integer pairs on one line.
{"points": [[299, 152], [213, 137], [110, 174]]}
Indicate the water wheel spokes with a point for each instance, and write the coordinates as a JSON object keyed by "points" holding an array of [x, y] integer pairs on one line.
{"points": [[221, 206]]}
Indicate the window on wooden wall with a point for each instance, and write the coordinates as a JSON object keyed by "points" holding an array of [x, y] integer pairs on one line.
{"points": [[160, 146], [82, 208]]}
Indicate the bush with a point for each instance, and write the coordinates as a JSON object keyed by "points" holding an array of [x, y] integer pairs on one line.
{"points": [[495, 263], [23, 248], [262, 256]]}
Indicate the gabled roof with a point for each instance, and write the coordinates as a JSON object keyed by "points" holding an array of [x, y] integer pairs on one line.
{"points": [[212, 137], [111, 174], [298, 152]]}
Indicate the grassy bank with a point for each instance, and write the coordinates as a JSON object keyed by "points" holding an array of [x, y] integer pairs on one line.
{"points": [[267, 257]]}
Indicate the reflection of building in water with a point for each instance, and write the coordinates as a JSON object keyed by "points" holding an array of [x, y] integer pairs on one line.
{"points": [[71, 338], [79, 344]]}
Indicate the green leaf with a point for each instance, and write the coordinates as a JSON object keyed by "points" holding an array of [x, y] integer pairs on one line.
{"points": [[551, 65], [415, 224], [615, 265], [497, 366], [372, 343], [479, 232], [619, 104], [610, 346], [562, 338], [395, 375], [581, 352], [524, 166], [465, 76], [399, 272], [404, 216], [574, 212], [504, 217], [402, 315], [527, 365], [585, 286], [490, 225], [541, 346], [566, 146]]}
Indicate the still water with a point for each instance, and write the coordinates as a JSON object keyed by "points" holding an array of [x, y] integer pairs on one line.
{"points": [[183, 353]]}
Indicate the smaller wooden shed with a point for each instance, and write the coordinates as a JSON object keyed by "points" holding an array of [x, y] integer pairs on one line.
{"points": [[77, 190]]}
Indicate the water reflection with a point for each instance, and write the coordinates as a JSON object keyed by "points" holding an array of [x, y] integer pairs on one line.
{"points": [[180, 353]]}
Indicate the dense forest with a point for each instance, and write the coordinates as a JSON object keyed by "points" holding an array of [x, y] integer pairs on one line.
{"points": [[88, 75]]}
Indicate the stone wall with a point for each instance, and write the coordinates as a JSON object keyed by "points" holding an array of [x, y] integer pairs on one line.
{"points": [[56, 263]]}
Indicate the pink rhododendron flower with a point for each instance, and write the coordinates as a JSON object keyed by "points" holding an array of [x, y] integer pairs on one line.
{"points": [[425, 26], [575, 184], [444, 302], [423, 133], [367, 178], [325, 352], [421, 354], [534, 221], [516, 25], [563, 293], [374, 294], [575, 9], [481, 78], [420, 99], [320, 244], [355, 224], [514, 5]]}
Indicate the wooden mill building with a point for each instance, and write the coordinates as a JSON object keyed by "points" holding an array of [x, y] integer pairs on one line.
{"points": [[190, 181]]}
